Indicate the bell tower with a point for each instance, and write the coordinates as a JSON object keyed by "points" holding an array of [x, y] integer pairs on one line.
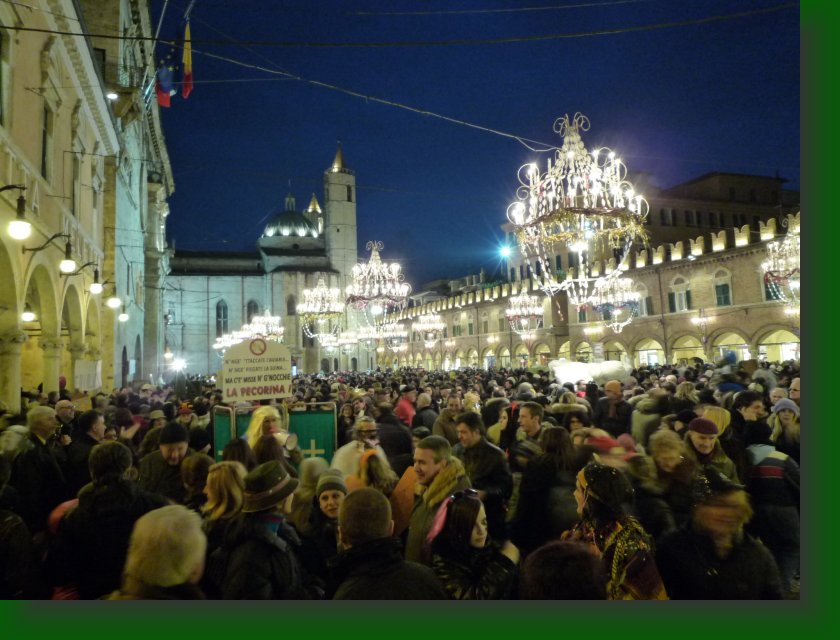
{"points": [[340, 216]]}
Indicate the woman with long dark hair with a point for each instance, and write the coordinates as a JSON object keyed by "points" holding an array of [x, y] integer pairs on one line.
{"points": [[546, 506], [602, 494], [466, 562]]}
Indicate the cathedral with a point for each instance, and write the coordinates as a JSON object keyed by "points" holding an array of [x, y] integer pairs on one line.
{"points": [[211, 293]]}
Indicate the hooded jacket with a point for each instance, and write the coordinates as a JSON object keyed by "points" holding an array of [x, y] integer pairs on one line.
{"points": [[450, 479]]}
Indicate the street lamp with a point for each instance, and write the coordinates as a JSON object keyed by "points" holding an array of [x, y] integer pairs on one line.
{"points": [[19, 228]]}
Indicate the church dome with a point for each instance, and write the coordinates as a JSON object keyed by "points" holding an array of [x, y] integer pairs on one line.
{"points": [[290, 223]]}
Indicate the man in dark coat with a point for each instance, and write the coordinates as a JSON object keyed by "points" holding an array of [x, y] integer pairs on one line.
{"points": [[487, 469], [711, 558], [93, 538], [37, 475], [394, 438], [160, 471], [91, 429], [371, 565], [260, 556], [612, 413]]}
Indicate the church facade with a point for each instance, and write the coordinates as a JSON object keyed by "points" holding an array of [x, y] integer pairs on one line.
{"points": [[208, 294]]}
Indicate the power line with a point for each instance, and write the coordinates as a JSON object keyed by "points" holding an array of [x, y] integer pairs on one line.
{"points": [[481, 11], [428, 43]]}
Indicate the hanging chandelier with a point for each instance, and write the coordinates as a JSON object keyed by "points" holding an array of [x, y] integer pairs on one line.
{"points": [[393, 334], [347, 341], [781, 268], [431, 327], [584, 202], [320, 309], [376, 285], [617, 301], [525, 315]]}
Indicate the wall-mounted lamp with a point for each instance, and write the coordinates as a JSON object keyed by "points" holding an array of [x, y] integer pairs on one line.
{"points": [[95, 286], [28, 315], [80, 269], [167, 354], [19, 228], [67, 265], [123, 317], [114, 301]]}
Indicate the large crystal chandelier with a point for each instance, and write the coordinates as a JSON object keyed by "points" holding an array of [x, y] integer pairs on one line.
{"points": [[584, 202], [525, 315], [320, 309], [431, 327], [617, 301], [377, 285], [781, 268], [267, 327], [393, 334]]}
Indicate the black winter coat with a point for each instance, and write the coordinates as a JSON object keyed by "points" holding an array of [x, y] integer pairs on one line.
{"points": [[615, 426], [485, 574], [39, 479], [424, 417], [691, 569], [320, 544], [92, 541], [263, 565], [546, 506], [395, 440], [487, 468], [78, 473], [158, 476], [376, 570], [15, 556]]}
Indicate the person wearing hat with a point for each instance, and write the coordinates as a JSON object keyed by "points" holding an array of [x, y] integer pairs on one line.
{"points": [[603, 494], [612, 413], [784, 423], [773, 484], [704, 448], [186, 416], [263, 562], [157, 418], [711, 557], [320, 543], [160, 471]]}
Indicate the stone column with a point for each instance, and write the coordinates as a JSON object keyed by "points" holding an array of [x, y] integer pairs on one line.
{"points": [[51, 347], [11, 343], [77, 352]]}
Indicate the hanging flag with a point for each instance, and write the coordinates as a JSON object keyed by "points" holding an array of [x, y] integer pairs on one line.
{"points": [[164, 84], [186, 63]]}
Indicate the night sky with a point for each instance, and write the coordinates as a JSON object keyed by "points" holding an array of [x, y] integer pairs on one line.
{"points": [[676, 102]]}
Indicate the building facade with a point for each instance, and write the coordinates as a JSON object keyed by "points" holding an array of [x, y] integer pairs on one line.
{"points": [[83, 159], [209, 294]]}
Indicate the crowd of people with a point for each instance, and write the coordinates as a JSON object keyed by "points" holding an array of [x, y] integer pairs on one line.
{"points": [[677, 482]]}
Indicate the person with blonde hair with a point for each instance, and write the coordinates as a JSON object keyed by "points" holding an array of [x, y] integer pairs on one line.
{"points": [[784, 423], [685, 398], [720, 416], [165, 557], [675, 472], [266, 420], [224, 487]]}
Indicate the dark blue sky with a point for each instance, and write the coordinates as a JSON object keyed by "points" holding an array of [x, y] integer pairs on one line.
{"points": [[676, 102]]}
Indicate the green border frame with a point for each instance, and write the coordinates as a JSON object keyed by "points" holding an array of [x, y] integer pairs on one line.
{"points": [[813, 615]]}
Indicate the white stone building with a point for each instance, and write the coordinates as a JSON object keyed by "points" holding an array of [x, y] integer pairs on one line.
{"points": [[208, 294]]}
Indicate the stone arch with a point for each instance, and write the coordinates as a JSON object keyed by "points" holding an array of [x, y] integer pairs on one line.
{"points": [[542, 354], [685, 346], [138, 358], [438, 360], [615, 349], [583, 352], [11, 336], [459, 359], [776, 343], [504, 357], [41, 354], [72, 332], [729, 339], [564, 351], [648, 350], [93, 331], [472, 357]]}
